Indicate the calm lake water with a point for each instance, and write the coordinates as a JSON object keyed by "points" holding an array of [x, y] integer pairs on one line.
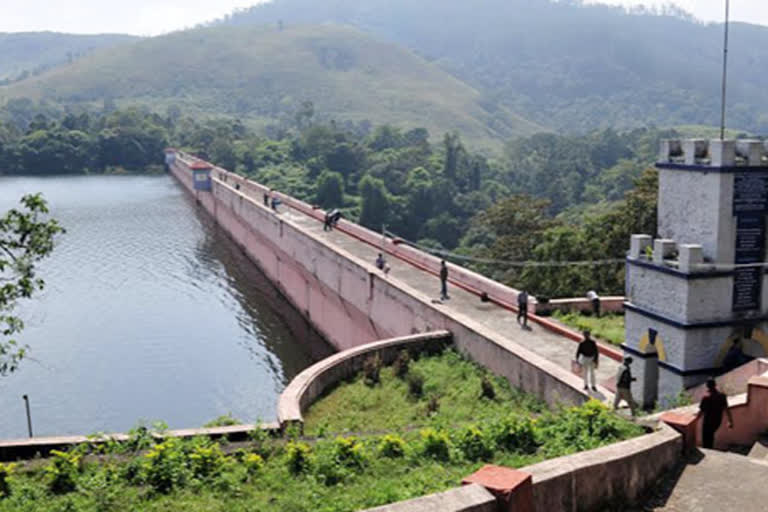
{"points": [[149, 313]]}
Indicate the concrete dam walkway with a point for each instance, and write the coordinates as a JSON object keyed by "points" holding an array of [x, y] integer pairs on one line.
{"points": [[538, 339]]}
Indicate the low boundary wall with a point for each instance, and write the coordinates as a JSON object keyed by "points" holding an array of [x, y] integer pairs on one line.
{"points": [[470, 498], [581, 305], [588, 481], [306, 387], [348, 300], [17, 449], [619, 473]]}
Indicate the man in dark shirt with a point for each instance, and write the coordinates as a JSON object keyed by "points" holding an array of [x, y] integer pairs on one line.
{"points": [[587, 355], [711, 408], [522, 308], [443, 280], [624, 380]]}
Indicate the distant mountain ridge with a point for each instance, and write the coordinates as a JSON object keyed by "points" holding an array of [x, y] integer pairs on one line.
{"points": [[29, 52], [262, 73], [566, 65]]}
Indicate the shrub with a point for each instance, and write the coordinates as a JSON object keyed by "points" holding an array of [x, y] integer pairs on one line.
{"points": [[391, 446], [259, 438], [372, 370], [348, 451], [298, 457], [488, 391], [436, 444], [61, 474], [141, 437], [585, 427], [402, 364], [223, 421], [165, 466], [206, 459], [6, 470], [515, 434], [254, 463], [415, 384], [474, 444], [433, 405]]}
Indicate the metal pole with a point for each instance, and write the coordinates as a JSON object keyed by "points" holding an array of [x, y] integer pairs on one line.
{"points": [[725, 70], [29, 416]]}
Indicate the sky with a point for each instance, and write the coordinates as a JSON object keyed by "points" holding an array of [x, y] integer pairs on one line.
{"points": [[751, 11], [138, 17], [152, 17]]}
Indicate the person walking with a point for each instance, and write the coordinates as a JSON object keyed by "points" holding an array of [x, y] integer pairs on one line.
{"points": [[266, 197], [327, 222], [522, 308], [443, 281], [711, 408], [381, 262], [588, 357], [594, 298], [624, 380]]}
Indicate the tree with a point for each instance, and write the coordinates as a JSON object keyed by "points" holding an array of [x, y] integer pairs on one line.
{"points": [[375, 203], [330, 190], [25, 238], [223, 154], [453, 151], [510, 230]]}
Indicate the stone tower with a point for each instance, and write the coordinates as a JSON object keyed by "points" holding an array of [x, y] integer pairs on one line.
{"points": [[692, 291]]}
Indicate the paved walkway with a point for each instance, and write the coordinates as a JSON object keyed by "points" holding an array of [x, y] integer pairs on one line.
{"points": [[715, 482], [554, 347]]}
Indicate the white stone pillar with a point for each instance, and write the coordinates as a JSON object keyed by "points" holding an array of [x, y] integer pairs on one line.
{"points": [[691, 256]]}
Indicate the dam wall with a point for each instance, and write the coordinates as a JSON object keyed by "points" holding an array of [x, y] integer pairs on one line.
{"points": [[348, 300]]}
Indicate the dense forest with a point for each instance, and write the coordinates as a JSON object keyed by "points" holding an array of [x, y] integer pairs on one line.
{"points": [[548, 198]]}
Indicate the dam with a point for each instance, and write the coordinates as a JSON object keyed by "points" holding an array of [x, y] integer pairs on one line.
{"points": [[331, 278]]}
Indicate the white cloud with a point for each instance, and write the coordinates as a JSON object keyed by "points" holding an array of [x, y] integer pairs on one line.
{"points": [[141, 17]]}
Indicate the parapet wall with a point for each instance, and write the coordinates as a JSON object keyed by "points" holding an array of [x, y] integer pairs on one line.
{"points": [[347, 300]]}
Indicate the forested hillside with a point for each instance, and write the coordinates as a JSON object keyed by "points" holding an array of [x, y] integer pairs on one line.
{"points": [[564, 65], [263, 74], [27, 53], [548, 198]]}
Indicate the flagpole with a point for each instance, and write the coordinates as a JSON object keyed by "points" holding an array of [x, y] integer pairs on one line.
{"points": [[725, 70]]}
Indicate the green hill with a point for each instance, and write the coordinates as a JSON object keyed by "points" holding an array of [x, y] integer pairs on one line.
{"points": [[264, 73], [570, 66], [26, 53]]}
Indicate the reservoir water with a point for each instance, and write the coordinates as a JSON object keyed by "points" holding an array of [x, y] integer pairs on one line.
{"points": [[150, 312]]}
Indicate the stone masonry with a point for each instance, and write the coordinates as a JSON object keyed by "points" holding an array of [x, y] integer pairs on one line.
{"points": [[701, 283]]}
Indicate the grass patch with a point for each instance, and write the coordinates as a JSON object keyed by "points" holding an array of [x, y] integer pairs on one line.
{"points": [[427, 449], [608, 327], [455, 382]]}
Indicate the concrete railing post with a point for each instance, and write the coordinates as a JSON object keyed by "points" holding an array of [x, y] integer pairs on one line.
{"points": [[662, 249], [691, 256], [638, 245], [513, 489]]}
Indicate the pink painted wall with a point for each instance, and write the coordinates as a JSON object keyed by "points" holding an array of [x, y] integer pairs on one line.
{"points": [[348, 300], [734, 382], [750, 419]]}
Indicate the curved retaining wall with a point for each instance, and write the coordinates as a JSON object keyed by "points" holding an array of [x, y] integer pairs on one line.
{"points": [[347, 300], [306, 387]]}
